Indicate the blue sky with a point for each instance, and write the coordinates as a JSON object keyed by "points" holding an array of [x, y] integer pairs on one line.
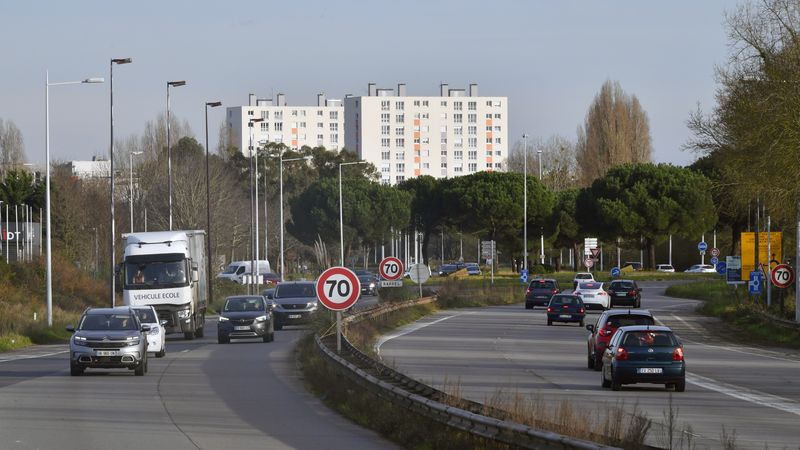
{"points": [[548, 57]]}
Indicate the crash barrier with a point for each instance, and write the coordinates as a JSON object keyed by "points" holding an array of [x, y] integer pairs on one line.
{"points": [[472, 417]]}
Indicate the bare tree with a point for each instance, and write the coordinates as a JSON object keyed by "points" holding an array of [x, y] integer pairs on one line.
{"points": [[12, 147], [225, 147], [616, 131], [559, 167]]}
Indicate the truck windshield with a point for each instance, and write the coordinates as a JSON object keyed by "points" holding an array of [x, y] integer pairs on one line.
{"points": [[152, 274]]}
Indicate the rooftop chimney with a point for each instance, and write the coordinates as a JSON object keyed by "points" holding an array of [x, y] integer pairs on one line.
{"points": [[281, 100], [401, 90], [320, 99], [473, 90], [252, 100], [371, 89]]}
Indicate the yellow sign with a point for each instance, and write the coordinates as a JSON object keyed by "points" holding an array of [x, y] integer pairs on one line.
{"points": [[749, 248]]}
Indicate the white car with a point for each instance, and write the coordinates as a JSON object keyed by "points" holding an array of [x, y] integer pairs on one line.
{"points": [[593, 295], [156, 337], [701, 268], [665, 268], [581, 277]]}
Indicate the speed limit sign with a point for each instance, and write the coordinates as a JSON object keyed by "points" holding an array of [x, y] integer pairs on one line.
{"points": [[338, 288], [782, 276], [391, 268]]}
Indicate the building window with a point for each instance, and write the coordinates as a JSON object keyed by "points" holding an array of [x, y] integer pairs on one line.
{"points": [[426, 140], [320, 125], [488, 140], [320, 138], [416, 102], [426, 115], [400, 118], [399, 106], [473, 167], [443, 116], [249, 113], [416, 140], [444, 165], [401, 167], [302, 113], [497, 140], [499, 166], [399, 178], [385, 168], [497, 128], [444, 103], [278, 115], [472, 130], [497, 116], [385, 129], [385, 142], [458, 131], [278, 126], [488, 165], [334, 139], [457, 169], [400, 131], [472, 154], [334, 126], [294, 113], [386, 155], [385, 117], [472, 118], [472, 106], [400, 142], [489, 128], [319, 113], [489, 116], [444, 153], [457, 106], [425, 103], [428, 166], [385, 105], [500, 153], [488, 153], [472, 142], [334, 115], [264, 126], [457, 118], [302, 124], [458, 154], [488, 103], [265, 115]]}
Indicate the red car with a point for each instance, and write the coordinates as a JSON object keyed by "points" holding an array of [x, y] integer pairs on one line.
{"points": [[607, 324]]}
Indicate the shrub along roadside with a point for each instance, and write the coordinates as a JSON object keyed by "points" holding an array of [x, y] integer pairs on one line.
{"points": [[740, 313]]}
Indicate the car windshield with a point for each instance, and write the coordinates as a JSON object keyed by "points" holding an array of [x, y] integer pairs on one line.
{"points": [[242, 304], [649, 338], [624, 320], [145, 315], [559, 300], [144, 275], [231, 269], [543, 284], [622, 285], [107, 322], [590, 286], [366, 278], [295, 290], [584, 276], [447, 267]]}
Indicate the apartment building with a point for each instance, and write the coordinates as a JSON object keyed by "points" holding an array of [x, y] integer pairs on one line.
{"points": [[452, 134], [295, 126]]}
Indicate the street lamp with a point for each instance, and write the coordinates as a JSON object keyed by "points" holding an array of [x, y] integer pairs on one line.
{"points": [[169, 148], [341, 221], [254, 208], [539, 154], [304, 158], [47, 85], [132, 154], [525, 204], [208, 207], [111, 174]]}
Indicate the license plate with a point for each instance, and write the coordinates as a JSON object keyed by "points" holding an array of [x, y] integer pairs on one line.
{"points": [[241, 328], [565, 316], [588, 295], [295, 316], [622, 295], [648, 370], [106, 353]]}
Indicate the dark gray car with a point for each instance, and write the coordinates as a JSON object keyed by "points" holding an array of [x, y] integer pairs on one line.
{"points": [[246, 316], [295, 303], [108, 338]]}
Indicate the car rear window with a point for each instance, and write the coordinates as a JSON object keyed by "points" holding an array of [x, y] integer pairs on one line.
{"points": [[590, 286], [295, 290], [649, 338], [625, 320], [543, 284], [565, 300], [622, 285]]}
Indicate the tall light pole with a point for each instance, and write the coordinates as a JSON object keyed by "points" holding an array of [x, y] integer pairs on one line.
{"points": [[341, 220], [132, 154], [304, 158], [208, 209], [541, 244], [111, 174], [169, 148], [253, 209], [525, 203], [47, 85]]}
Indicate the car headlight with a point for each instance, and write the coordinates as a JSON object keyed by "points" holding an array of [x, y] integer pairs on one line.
{"points": [[261, 318], [184, 313], [79, 340], [223, 319], [372, 285], [312, 305], [133, 343], [154, 331]]}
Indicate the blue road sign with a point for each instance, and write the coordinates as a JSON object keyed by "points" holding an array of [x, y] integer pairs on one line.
{"points": [[523, 275], [702, 246], [615, 272], [722, 268], [755, 283], [714, 260]]}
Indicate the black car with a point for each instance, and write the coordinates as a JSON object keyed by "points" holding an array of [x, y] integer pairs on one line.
{"points": [[624, 293], [644, 354], [607, 324], [539, 292], [447, 269], [565, 308], [369, 286], [295, 303], [246, 316]]}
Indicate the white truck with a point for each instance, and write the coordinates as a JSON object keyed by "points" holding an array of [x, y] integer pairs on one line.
{"points": [[238, 270], [167, 270]]}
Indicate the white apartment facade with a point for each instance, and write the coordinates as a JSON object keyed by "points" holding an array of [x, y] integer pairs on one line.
{"points": [[96, 168], [455, 133], [294, 126]]}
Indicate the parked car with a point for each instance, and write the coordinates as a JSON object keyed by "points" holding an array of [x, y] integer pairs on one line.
{"points": [[701, 268], [447, 269], [625, 292], [296, 303], [473, 269], [368, 284], [580, 277], [245, 316], [634, 265], [157, 336], [565, 308], [644, 354], [539, 292], [271, 278], [593, 295], [108, 338], [608, 322], [665, 268]]}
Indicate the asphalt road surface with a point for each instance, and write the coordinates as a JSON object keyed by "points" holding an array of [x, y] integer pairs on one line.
{"points": [[202, 395], [751, 390]]}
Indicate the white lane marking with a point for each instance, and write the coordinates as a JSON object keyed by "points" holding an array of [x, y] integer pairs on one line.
{"points": [[185, 351], [21, 357], [692, 327], [411, 329], [748, 395]]}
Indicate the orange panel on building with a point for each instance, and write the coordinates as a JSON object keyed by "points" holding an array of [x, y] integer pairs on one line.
{"points": [[488, 146], [416, 160], [488, 122]]}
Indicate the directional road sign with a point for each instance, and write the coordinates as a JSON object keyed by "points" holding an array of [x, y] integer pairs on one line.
{"points": [[782, 276], [702, 246], [419, 273], [615, 272], [714, 260], [391, 268], [756, 281], [722, 268], [523, 275], [338, 288]]}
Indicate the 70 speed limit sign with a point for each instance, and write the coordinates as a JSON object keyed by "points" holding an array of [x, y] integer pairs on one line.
{"points": [[338, 288], [782, 276], [391, 268]]}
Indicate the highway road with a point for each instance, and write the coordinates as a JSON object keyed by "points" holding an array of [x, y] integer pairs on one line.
{"points": [[754, 391], [202, 395]]}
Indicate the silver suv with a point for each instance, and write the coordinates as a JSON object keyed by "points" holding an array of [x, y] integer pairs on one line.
{"points": [[295, 303], [108, 338]]}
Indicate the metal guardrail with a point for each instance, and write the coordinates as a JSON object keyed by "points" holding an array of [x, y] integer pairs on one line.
{"points": [[474, 417], [783, 323]]}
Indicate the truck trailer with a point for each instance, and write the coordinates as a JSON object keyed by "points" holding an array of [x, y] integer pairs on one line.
{"points": [[167, 270]]}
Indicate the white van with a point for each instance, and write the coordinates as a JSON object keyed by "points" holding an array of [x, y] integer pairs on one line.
{"points": [[237, 270]]}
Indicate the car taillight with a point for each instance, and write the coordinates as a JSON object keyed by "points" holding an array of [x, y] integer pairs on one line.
{"points": [[549, 309], [632, 293], [581, 310], [555, 291], [622, 354], [565, 306], [608, 332], [528, 291], [677, 354]]}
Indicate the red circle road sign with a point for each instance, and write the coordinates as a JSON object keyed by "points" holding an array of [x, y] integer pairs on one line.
{"points": [[588, 262], [338, 288], [391, 268], [715, 252], [782, 276]]}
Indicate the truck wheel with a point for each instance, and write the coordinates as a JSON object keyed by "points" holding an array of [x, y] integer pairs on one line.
{"points": [[189, 335]]}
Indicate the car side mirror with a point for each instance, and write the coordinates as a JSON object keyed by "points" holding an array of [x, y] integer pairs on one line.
{"points": [[590, 328], [71, 328], [145, 327], [271, 296], [163, 323], [195, 273]]}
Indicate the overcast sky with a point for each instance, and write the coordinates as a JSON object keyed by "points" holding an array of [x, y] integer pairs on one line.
{"points": [[548, 57]]}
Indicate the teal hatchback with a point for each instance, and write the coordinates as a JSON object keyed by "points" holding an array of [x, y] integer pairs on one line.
{"points": [[644, 354]]}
